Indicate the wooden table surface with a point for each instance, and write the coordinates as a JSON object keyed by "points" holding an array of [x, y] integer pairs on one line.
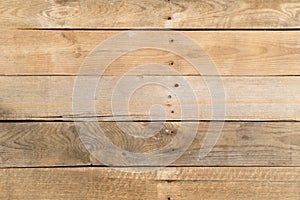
{"points": [[255, 48]]}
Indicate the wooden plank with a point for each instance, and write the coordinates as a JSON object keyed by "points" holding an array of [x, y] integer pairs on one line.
{"points": [[149, 14], [248, 98], [37, 144], [41, 144], [233, 52], [167, 183]]}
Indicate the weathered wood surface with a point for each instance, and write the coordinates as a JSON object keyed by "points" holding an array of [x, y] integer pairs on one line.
{"points": [[248, 98], [34, 144], [234, 53], [257, 159], [149, 14], [168, 183]]}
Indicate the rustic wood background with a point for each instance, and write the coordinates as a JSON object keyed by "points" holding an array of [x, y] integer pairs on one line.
{"points": [[255, 45]]}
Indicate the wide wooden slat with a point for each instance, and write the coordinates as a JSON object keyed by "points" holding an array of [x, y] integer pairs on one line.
{"points": [[234, 53], [149, 14], [168, 183], [248, 98], [34, 144]]}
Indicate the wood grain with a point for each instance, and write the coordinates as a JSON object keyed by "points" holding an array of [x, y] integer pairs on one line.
{"points": [[149, 14], [235, 53], [44, 43], [248, 98], [38, 144], [168, 183]]}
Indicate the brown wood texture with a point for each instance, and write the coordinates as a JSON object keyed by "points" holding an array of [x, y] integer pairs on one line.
{"points": [[247, 98], [38, 144], [168, 183], [255, 46], [234, 53], [150, 14]]}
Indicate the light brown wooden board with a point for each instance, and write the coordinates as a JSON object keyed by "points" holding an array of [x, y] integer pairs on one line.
{"points": [[168, 183], [248, 98], [149, 14], [273, 147], [235, 53], [37, 144]]}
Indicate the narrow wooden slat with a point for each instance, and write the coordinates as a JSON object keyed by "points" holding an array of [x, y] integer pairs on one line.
{"points": [[168, 183], [248, 98], [37, 144], [234, 53], [229, 190], [153, 13]]}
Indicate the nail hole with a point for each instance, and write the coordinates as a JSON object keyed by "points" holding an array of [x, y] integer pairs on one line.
{"points": [[169, 18], [170, 96], [171, 40], [172, 111], [171, 62], [169, 198], [176, 85]]}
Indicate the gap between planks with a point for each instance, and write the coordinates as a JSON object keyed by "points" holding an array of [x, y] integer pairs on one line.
{"points": [[156, 29]]}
